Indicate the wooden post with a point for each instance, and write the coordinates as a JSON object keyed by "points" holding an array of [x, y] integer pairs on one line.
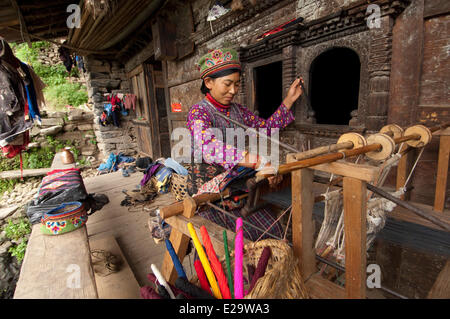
{"points": [[302, 222], [442, 171], [355, 207], [179, 242]]}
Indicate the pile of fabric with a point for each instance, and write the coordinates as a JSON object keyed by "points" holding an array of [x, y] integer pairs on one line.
{"points": [[21, 97], [113, 162]]}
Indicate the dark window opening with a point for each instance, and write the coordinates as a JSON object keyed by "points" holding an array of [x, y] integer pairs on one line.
{"points": [[335, 86], [268, 88]]}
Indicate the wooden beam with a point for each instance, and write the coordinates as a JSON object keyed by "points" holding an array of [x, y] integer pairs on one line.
{"points": [[355, 211], [22, 22], [25, 173], [321, 288], [360, 171], [442, 171]]}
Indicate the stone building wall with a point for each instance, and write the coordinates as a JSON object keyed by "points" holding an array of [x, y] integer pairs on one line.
{"points": [[109, 77]]}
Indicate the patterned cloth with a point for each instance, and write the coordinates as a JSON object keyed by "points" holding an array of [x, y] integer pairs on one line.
{"points": [[262, 219], [214, 149]]}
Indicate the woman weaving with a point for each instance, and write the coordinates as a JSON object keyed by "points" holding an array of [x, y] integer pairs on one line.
{"points": [[220, 71]]}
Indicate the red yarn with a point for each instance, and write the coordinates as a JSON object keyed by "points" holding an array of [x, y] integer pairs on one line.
{"points": [[215, 264], [201, 275]]}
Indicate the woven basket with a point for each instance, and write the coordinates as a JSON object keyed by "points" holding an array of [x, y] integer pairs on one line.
{"points": [[178, 186], [282, 279]]}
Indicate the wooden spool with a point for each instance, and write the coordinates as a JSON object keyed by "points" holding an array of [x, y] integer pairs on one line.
{"points": [[357, 139], [424, 133], [392, 130], [387, 146]]}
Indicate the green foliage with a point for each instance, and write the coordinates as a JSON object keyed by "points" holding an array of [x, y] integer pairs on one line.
{"points": [[60, 95], [7, 185], [19, 250], [18, 229], [15, 231]]}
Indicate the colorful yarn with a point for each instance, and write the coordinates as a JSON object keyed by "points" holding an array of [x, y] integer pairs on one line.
{"points": [[215, 264], [161, 280], [205, 262], [201, 276], [262, 265], [227, 260], [175, 260], [238, 253]]}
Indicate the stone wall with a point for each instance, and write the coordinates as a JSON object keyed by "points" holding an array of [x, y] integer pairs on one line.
{"points": [[74, 125], [105, 77]]}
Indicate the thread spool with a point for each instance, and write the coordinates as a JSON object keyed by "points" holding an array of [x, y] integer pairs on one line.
{"points": [[387, 146], [357, 139], [420, 130]]}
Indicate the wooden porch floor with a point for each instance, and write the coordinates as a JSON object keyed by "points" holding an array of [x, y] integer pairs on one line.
{"points": [[129, 228]]}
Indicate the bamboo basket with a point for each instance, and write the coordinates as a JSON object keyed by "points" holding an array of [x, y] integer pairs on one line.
{"points": [[282, 279], [178, 186]]}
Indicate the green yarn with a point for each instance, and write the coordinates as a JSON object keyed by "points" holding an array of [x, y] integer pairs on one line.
{"points": [[227, 259]]}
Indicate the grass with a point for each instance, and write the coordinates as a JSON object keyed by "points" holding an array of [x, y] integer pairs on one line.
{"points": [[15, 231]]}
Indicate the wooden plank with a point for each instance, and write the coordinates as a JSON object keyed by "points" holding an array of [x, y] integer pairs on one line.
{"points": [[119, 285], [321, 288], [363, 172], [302, 221], [355, 207], [25, 173], [442, 171], [180, 243], [435, 7], [441, 287], [56, 267]]}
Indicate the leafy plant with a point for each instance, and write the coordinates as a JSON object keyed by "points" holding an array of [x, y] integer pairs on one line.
{"points": [[17, 230], [19, 250]]}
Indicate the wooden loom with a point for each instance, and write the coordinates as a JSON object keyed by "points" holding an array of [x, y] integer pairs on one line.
{"points": [[355, 178]]}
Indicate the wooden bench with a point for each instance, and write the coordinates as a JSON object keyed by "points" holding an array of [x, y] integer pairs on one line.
{"points": [[57, 266]]}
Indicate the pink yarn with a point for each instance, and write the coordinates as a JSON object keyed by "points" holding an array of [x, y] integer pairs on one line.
{"points": [[238, 261]]}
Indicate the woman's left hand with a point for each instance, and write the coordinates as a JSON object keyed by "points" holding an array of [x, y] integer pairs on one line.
{"points": [[295, 91]]}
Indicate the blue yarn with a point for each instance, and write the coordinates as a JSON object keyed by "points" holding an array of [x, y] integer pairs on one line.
{"points": [[175, 260]]}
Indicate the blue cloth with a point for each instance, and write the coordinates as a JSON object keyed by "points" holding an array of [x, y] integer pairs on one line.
{"points": [[169, 162], [33, 108], [113, 161]]}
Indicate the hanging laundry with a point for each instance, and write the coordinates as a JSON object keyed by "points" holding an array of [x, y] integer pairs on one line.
{"points": [[33, 108], [130, 101], [80, 63]]}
